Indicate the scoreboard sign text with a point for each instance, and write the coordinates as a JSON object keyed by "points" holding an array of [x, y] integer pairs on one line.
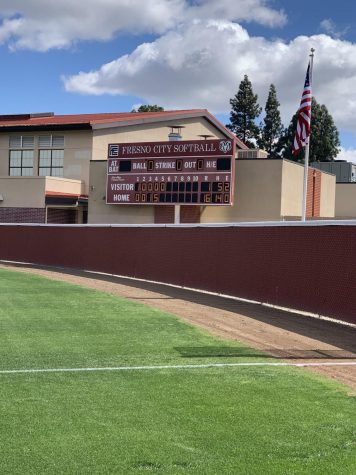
{"points": [[199, 172]]}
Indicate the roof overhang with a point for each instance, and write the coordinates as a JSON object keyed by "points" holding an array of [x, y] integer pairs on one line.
{"points": [[69, 199], [47, 127]]}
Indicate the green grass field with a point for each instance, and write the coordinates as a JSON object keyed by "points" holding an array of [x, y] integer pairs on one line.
{"points": [[233, 420]]}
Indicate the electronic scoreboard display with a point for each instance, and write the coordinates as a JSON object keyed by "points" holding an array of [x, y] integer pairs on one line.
{"points": [[198, 172]]}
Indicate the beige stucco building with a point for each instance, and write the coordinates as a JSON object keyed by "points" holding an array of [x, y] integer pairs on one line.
{"points": [[345, 191], [345, 202], [265, 190], [271, 190], [53, 169]]}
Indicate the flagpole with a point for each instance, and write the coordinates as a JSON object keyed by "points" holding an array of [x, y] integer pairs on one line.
{"points": [[306, 159]]}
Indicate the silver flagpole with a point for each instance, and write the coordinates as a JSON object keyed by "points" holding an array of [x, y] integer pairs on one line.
{"points": [[306, 159]]}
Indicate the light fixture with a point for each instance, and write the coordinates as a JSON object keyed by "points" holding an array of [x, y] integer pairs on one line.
{"points": [[205, 136], [175, 132]]}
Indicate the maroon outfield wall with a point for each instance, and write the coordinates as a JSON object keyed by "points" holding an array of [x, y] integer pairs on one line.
{"points": [[305, 267]]}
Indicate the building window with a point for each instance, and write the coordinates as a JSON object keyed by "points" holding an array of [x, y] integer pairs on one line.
{"points": [[51, 141], [21, 162], [51, 155], [21, 141], [50, 162]]}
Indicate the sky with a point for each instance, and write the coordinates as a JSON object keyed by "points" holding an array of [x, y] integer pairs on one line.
{"points": [[112, 55]]}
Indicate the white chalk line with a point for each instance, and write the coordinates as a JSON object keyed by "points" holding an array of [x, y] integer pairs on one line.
{"points": [[158, 367]]}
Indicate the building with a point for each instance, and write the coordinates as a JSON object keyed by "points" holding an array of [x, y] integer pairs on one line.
{"points": [[53, 169], [345, 191], [45, 159], [272, 190]]}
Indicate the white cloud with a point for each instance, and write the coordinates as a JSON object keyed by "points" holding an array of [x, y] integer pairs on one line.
{"points": [[237, 10], [331, 29], [201, 63], [348, 154], [58, 24], [43, 25], [200, 56]]}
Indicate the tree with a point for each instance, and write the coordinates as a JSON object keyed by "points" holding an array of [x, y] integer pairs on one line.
{"points": [[148, 108], [272, 128], [324, 136], [245, 110]]}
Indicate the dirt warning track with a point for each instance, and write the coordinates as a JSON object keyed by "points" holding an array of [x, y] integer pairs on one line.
{"points": [[283, 335]]}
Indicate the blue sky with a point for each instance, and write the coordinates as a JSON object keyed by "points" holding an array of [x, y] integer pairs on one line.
{"points": [[89, 56]]}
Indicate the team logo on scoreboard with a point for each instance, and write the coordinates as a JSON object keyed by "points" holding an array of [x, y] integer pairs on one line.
{"points": [[225, 146], [113, 151]]}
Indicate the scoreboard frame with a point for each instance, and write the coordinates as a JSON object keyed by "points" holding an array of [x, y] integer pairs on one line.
{"points": [[184, 172]]}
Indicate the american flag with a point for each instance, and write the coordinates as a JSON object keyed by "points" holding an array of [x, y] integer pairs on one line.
{"points": [[304, 116]]}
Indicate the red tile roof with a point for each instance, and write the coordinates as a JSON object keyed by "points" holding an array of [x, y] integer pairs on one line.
{"points": [[33, 120], [46, 120]]}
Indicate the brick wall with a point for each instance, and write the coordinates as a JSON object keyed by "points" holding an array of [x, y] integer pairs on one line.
{"points": [[62, 216], [305, 267], [22, 215], [314, 193], [164, 214], [188, 214]]}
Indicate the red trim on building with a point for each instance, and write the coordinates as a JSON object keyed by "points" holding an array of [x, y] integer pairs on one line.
{"points": [[90, 120], [65, 195], [94, 118]]}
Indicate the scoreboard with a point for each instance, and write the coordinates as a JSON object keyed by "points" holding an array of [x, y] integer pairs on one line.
{"points": [[198, 172]]}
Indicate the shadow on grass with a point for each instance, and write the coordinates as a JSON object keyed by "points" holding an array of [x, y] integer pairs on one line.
{"points": [[334, 334], [230, 352]]}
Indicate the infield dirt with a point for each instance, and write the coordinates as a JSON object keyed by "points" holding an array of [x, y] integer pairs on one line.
{"points": [[283, 335]]}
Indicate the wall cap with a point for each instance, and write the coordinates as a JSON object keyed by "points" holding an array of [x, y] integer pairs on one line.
{"points": [[248, 224]]}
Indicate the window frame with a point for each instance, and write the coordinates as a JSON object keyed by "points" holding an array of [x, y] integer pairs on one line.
{"points": [[22, 147], [51, 146], [21, 167], [51, 166]]}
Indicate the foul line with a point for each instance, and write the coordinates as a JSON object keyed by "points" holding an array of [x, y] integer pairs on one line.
{"points": [[158, 367]]}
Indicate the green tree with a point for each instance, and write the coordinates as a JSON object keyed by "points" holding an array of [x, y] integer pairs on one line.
{"points": [[148, 108], [244, 111], [271, 129], [324, 136]]}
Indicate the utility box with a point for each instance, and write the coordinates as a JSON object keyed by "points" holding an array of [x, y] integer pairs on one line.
{"points": [[345, 171]]}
